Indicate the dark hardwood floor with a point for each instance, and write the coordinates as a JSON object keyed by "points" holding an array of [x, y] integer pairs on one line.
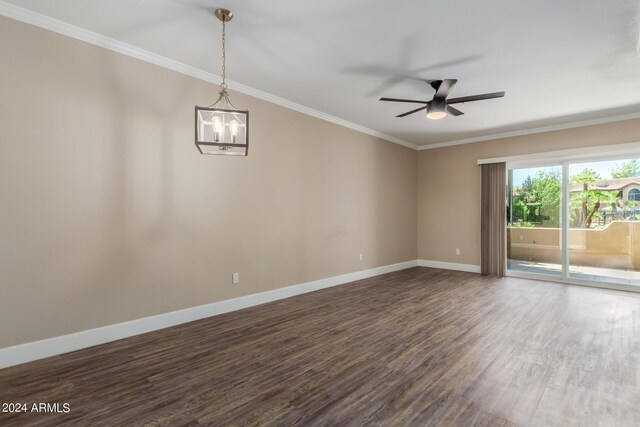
{"points": [[416, 347]]}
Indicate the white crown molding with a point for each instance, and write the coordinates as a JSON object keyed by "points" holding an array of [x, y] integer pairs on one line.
{"points": [[531, 131], [28, 352], [33, 18], [469, 268]]}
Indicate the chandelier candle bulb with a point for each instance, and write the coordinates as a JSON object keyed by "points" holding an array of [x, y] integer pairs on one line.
{"points": [[217, 128], [234, 131]]}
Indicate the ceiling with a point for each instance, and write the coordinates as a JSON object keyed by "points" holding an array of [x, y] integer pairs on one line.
{"points": [[558, 61]]}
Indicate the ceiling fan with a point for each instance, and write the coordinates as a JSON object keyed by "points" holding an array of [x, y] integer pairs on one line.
{"points": [[439, 106]]}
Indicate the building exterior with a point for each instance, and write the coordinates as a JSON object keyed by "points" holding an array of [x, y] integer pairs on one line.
{"points": [[627, 189]]}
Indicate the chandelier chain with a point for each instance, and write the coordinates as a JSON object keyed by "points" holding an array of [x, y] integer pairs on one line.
{"points": [[223, 95], [224, 56]]}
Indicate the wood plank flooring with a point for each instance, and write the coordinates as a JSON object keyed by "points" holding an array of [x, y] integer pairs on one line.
{"points": [[416, 347]]}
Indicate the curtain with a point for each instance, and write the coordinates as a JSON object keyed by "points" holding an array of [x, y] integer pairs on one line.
{"points": [[493, 219]]}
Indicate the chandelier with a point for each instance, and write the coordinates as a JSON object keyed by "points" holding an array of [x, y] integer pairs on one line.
{"points": [[221, 128]]}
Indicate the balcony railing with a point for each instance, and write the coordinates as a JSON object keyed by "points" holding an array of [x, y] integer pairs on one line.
{"points": [[617, 245]]}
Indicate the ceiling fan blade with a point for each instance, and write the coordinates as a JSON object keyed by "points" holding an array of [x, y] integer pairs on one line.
{"points": [[475, 97], [404, 100], [412, 111], [444, 88], [454, 111]]}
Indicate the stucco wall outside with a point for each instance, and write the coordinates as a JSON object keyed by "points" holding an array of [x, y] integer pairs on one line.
{"points": [[615, 246]]}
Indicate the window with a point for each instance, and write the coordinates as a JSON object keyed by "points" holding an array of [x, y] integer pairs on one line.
{"points": [[634, 194]]}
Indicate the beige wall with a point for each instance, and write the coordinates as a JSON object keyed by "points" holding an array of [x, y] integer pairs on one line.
{"points": [[449, 184], [109, 213]]}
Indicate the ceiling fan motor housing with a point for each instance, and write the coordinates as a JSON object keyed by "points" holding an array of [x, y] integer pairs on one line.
{"points": [[438, 104]]}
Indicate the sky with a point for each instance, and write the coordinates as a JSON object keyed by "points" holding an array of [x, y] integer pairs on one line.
{"points": [[602, 168]]}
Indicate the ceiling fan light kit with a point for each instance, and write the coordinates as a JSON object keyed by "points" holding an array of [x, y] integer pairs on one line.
{"points": [[438, 107], [222, 129]]}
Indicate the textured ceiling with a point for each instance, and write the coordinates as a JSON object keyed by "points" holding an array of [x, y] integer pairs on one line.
{"points": [[558, 61]]}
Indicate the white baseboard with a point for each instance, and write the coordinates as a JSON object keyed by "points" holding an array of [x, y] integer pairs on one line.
{"points": [[471, 268], [28, 352]]}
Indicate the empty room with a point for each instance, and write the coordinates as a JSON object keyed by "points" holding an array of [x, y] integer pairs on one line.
{"points": [[346, 213]]}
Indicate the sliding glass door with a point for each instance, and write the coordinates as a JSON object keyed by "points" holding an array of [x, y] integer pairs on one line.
{"points": [[575, 221]]}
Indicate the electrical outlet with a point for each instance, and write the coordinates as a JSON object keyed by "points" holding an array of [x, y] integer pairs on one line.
{"points": [[235, 278], [361, 257], [457, 251]]}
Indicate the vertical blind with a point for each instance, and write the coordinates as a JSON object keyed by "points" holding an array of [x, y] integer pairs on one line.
{"points": [[493, 219]]}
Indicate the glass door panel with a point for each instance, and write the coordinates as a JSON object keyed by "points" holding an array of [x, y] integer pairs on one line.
{"points": [[604, 234], [533, 221]]}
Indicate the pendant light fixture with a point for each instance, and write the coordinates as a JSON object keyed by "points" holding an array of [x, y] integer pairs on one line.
{"points": [[221, 128]]}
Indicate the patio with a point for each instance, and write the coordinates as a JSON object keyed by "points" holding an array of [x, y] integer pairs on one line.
{"points": [[599, 274]]}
